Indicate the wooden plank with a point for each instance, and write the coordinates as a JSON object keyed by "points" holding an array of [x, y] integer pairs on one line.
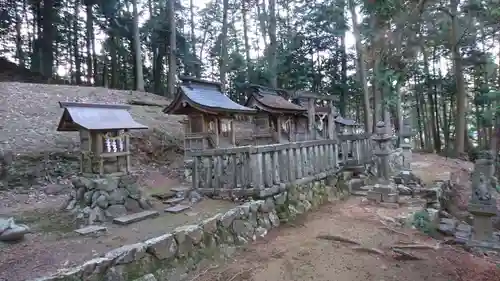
{"points": [[256, 167], [268, 170], [276, 168], [128, 219], [218, 172], [292, 169], [298, 163]]}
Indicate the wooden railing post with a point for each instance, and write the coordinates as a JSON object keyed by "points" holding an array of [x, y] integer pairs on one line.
{"points": [[256, 167]]}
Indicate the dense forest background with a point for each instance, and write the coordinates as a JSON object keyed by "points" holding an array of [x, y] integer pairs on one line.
{"points": [[433, 62]]}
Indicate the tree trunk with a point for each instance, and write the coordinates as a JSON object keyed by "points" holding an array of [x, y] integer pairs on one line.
{"points": [[223, 53], [89, 31], [48, 38], [196, 66], [262, 15], [429, 90], [272, 46], [459, 76], [76, 48], [361, 66], [172, 57], [139, 76], [244, 11], [19, 40]]}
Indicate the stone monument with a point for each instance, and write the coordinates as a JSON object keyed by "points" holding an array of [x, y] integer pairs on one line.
{"points": [[405, 177], [482, 205], [383, 191]]}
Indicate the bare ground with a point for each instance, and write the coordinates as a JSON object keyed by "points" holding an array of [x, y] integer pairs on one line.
{"points": [[54, 244], [290, 253], [295, 253]]}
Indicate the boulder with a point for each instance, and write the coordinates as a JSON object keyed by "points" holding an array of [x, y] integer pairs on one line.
{"points": [[12, 232]]}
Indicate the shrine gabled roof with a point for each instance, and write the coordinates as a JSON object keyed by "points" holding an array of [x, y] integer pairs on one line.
{"points": [[205, 96], [93, 116], [272, 99], [346, 122]]}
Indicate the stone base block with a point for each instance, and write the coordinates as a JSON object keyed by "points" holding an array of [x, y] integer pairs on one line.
{"points": [[483, 209], [484, 245], [389, 205], [390, 198], [374, 196], [483, 228]]}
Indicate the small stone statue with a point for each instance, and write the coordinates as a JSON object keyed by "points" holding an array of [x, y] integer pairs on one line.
{"points": [[481, 191]]}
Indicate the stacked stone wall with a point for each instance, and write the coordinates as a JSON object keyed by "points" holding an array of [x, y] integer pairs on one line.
{"points": [[173, 255]]}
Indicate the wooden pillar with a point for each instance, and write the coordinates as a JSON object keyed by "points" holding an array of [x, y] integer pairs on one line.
{"points": [[311, 115], [126, 145], [233, 132], [278, 127], [204, 130], [217, 131], [331, 133]]}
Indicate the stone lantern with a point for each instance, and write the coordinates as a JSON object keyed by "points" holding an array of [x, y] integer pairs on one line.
{"points": [[382, 142], [482, 204], [405, 136], [383, 191]]}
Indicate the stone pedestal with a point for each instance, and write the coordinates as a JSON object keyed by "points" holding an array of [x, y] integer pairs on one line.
{"points": [[383, 193], [100, 199], [482, 224]]}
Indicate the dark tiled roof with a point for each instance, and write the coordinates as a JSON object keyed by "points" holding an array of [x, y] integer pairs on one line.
{"points": [[271, 98], [208, 94], [91, 116]]}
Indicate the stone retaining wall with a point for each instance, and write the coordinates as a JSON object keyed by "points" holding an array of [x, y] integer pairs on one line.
{"points": [[172, 255]]}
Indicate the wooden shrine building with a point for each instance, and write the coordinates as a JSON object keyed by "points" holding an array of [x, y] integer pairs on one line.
{"points": [[319, 125], [207, 109], [278, 120], [104, 135]]}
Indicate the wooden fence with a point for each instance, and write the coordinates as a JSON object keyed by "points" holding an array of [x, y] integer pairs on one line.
{"points": [[268, 169]]}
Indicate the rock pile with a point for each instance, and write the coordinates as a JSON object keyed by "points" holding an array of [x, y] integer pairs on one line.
{"points": [[95, 200]]}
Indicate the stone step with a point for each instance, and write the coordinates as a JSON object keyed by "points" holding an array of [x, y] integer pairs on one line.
{"points": [[91, 229], [128, 219], [175, 200], [359, 193], [180, 189], [177, 208]]}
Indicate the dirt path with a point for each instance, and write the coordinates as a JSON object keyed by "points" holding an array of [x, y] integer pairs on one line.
{"points": [[294, 253]]}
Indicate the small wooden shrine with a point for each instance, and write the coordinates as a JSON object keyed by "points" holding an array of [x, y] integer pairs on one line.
{"points": [[210, 114], [318, 117], [104, 135], [277, 119], [346, 126]]}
